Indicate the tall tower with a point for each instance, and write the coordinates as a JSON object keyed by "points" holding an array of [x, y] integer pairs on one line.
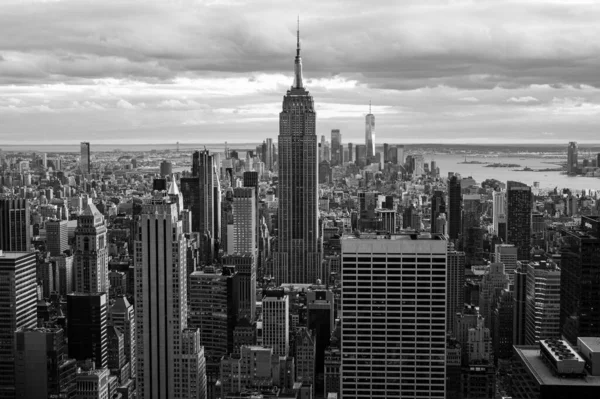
{"points": [[276, 325], [454, 207], [244, 219], [298, 256], [337, 150], [91, 252], [87, 333], [385, 340], [572, 153], [57, 237], [160, 299], [370, 135], [499, 207], [519, 203], [17, 310], [14, 225], [86, 165]]}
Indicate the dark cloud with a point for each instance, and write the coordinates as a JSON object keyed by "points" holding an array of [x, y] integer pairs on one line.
{"points": [[422, 44]]}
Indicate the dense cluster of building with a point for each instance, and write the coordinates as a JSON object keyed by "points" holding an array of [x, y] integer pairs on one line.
{"points": [[305, 269]]}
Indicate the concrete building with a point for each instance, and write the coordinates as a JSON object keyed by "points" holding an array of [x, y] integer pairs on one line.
{"points": [[520, 303], [276, 321], [160, 299], [507, 254], [87, 333], [305, 352], [122, 316], [91, 252], [244, 220], [57, 239], [245, 267], [42, 367], [544, 372], [193, 366], [85, 163], [378, 347], [17, 310], [14, 225], [498, 211], [519, 200], [492, 283], [455, 285], [542, 312]]}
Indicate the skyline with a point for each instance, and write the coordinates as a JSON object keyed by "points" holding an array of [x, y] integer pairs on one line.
{"points": [[117, 71]]}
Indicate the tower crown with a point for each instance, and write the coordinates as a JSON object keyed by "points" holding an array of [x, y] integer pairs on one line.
{"points": [[298, 62]]}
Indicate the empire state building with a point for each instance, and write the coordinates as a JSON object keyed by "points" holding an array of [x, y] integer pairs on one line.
{"points": [[298, 257]]}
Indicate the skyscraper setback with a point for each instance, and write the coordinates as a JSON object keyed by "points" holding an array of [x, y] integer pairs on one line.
{"points": [[91, 252], [298, 257]]}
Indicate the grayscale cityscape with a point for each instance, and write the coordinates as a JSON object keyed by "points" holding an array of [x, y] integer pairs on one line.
{"points": [[187, 211]]}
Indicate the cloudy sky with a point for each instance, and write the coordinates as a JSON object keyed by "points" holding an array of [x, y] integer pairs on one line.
{"points": [[208, 71]]}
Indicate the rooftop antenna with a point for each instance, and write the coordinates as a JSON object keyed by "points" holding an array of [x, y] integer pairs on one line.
{"points": [[369, 106]]}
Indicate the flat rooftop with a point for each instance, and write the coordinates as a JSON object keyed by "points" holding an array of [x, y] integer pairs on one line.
{"points": [[396, 237], [13, 255], [591, 343], [532, 358]]}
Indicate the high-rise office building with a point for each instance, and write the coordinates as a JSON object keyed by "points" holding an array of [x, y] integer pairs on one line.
{"points": [[160, 299], [17, 310], [572, 152], [350, 152], [454, 207], [268, 158], [193, 365], [43, 369], [360, 155], [276, 321], [455, 286], [502, 325], [380, 347], [305, 351], [298, 257], [370, 136], [472, 233], [337, 151], [518, 217], [320, 319], [14, 225], [580, 280], [438, 206], [520, 303], [245, 267], [214, 308], [166, 168], [122, 316], [498, 210], [493, 282], [244, 219], [91, 252], [87, 332], [507, 254], [57, 238], [542, 312], [86, 160]]}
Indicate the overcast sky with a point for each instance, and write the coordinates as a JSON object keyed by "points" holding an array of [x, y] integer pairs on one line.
{"points": [[210, 71]]}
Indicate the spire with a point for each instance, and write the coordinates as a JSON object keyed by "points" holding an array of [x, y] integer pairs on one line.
{"points": [[369, 105], [298, 61]]}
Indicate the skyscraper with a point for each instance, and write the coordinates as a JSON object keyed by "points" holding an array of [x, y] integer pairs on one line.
{"points": [[14, 225], [455, 276], [18, 301], [507, 254], [43, 368], [298, 257], [91, 252], [572, 158], [454, 207], [276, 321], [498, 210], [245, 267], [396, 349], [520, 303], [350, 153], [370, 135], [160, 299], [580, 280], [85, 164], [337, 152], [88, 322], [438, 206], [122, 316], [542, 317], [244, 219], [519, 203], [56, 237], [492, 284]]}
